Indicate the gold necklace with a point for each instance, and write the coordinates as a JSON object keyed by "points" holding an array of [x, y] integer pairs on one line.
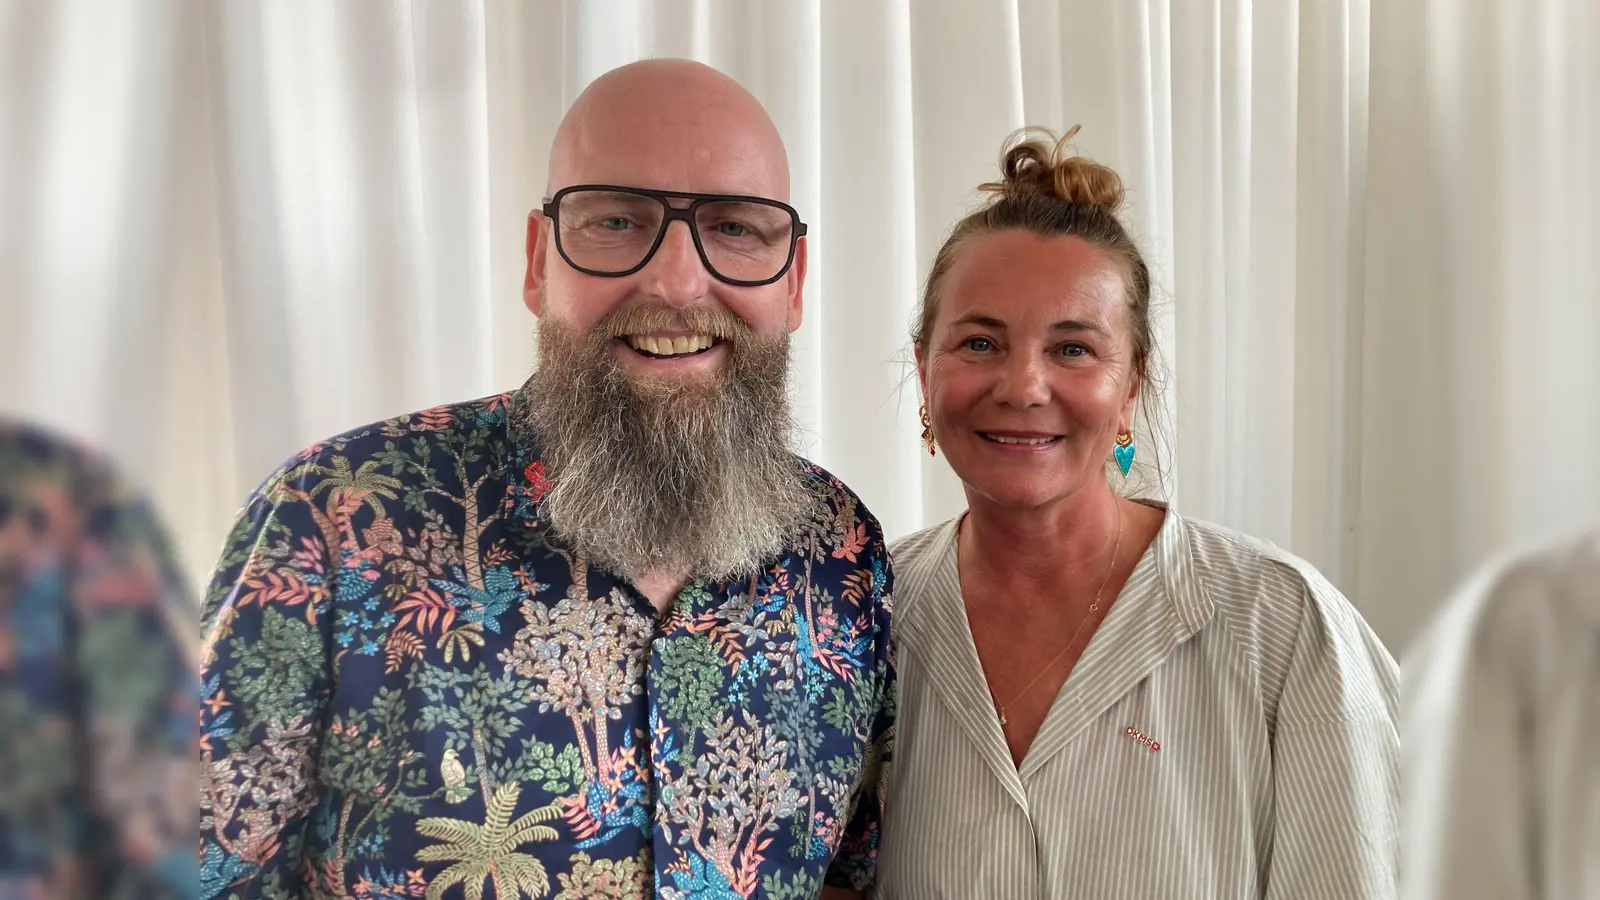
{"points": [[1094, 606]]}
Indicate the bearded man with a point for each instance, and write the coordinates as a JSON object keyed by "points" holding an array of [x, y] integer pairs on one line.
{"points": [[605, 636]]}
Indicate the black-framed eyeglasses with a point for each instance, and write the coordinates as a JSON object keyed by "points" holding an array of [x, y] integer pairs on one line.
{"points": [[612, 231]]}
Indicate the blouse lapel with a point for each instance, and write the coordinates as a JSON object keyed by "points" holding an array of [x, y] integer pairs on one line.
{"points": [[942, 638], [1161, 606]]}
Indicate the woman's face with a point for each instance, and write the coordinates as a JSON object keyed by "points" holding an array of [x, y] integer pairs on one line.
{"points": [[1029, 370]]}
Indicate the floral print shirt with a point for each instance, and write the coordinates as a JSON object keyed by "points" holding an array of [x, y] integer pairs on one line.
{"points": [[412, 688], [97, 690]]}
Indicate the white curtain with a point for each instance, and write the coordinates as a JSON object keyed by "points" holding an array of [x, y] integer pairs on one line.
{"points": [[232, 229]]}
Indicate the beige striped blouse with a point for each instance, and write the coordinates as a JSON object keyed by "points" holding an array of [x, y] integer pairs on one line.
{"points": [[1229, 732], [1501, 712]]}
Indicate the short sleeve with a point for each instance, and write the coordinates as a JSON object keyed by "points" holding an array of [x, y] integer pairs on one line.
{"points": [[855, 866], [265, 678]]}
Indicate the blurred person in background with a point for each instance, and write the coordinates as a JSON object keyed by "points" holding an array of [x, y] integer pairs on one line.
{"points": [[1501, 734], [601, 637], [97, 698], [1100, 696]]}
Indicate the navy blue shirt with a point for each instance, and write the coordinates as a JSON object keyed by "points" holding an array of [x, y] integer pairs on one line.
{"points": [[411, 687]]}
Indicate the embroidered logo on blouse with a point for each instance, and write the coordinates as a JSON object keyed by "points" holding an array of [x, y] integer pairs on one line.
{"points": [[1141, 737]]}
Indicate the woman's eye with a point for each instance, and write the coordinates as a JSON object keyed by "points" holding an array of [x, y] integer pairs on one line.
{"points": [[1074, 350], [979, 345]]}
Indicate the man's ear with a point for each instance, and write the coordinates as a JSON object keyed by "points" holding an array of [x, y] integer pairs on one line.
{"points": [[797, 281], [533, 279]]}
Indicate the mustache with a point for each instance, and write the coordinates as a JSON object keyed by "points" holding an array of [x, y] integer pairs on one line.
{"points": [[651, 317]]}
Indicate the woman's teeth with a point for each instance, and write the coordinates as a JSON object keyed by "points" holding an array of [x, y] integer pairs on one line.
{"points": [[1002, 439]]}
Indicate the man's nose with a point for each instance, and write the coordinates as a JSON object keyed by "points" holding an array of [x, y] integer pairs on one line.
{"points": [[676, 275]]}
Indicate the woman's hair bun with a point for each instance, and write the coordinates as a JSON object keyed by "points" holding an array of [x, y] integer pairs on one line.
{"points": [[1035, 163]]}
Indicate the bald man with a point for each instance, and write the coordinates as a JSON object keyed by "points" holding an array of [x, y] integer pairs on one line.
{"points": [[603, 636]]}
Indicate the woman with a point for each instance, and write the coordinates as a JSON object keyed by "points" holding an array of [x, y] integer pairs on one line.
{"points": [[1502, 734], [1100, 697]]}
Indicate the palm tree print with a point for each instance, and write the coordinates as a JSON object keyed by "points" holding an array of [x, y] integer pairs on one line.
{"points": [[488, 852], [363, 485], [414, 688]]}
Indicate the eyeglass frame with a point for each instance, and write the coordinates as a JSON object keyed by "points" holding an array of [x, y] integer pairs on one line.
{"points": [[685, 214]]}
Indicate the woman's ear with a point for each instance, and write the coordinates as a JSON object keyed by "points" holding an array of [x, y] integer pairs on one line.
{"points": [[1130, 403]]}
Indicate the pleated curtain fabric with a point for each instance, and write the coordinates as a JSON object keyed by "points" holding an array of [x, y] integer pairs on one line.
{"points": [[230, 229]]}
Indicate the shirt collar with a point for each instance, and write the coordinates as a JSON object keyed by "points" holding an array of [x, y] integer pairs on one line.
{"points": [[527, 480], [1151, 617], [1174, 557]]}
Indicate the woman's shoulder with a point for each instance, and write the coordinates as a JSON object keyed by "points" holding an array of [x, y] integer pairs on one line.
{"points": [[918, 545], [1247, 573], [916, 558], [1288, 613]]}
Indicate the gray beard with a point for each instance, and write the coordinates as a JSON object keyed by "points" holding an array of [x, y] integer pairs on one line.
{"points": [[674, 475]]}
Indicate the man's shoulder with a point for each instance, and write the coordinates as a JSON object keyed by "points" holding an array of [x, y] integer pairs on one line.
{"points": [[843, 534], [474, 425], [838, 499], [847, 553]]}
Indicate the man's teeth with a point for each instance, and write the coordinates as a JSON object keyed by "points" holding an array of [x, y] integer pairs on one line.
{"points": [[674, 346], [1018, 440]]}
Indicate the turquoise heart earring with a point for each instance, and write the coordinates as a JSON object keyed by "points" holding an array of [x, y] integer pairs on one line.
{"points": [[1124, 452]]}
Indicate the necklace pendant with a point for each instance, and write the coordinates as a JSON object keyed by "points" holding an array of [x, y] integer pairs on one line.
{"points": [[1000, 711]]}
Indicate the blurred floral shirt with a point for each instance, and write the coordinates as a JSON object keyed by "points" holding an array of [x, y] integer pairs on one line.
{"points": [[97, 705], [412, 688]]}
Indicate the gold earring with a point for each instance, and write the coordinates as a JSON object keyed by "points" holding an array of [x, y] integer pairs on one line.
{"points": [[927, 432]]}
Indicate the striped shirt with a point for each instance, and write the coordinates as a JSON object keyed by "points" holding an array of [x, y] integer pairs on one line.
{"points": [[1229, 732], [1501, 712]]}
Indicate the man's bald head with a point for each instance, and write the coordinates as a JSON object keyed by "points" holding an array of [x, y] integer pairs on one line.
{"points": [[670, 124], [660, 402]]}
